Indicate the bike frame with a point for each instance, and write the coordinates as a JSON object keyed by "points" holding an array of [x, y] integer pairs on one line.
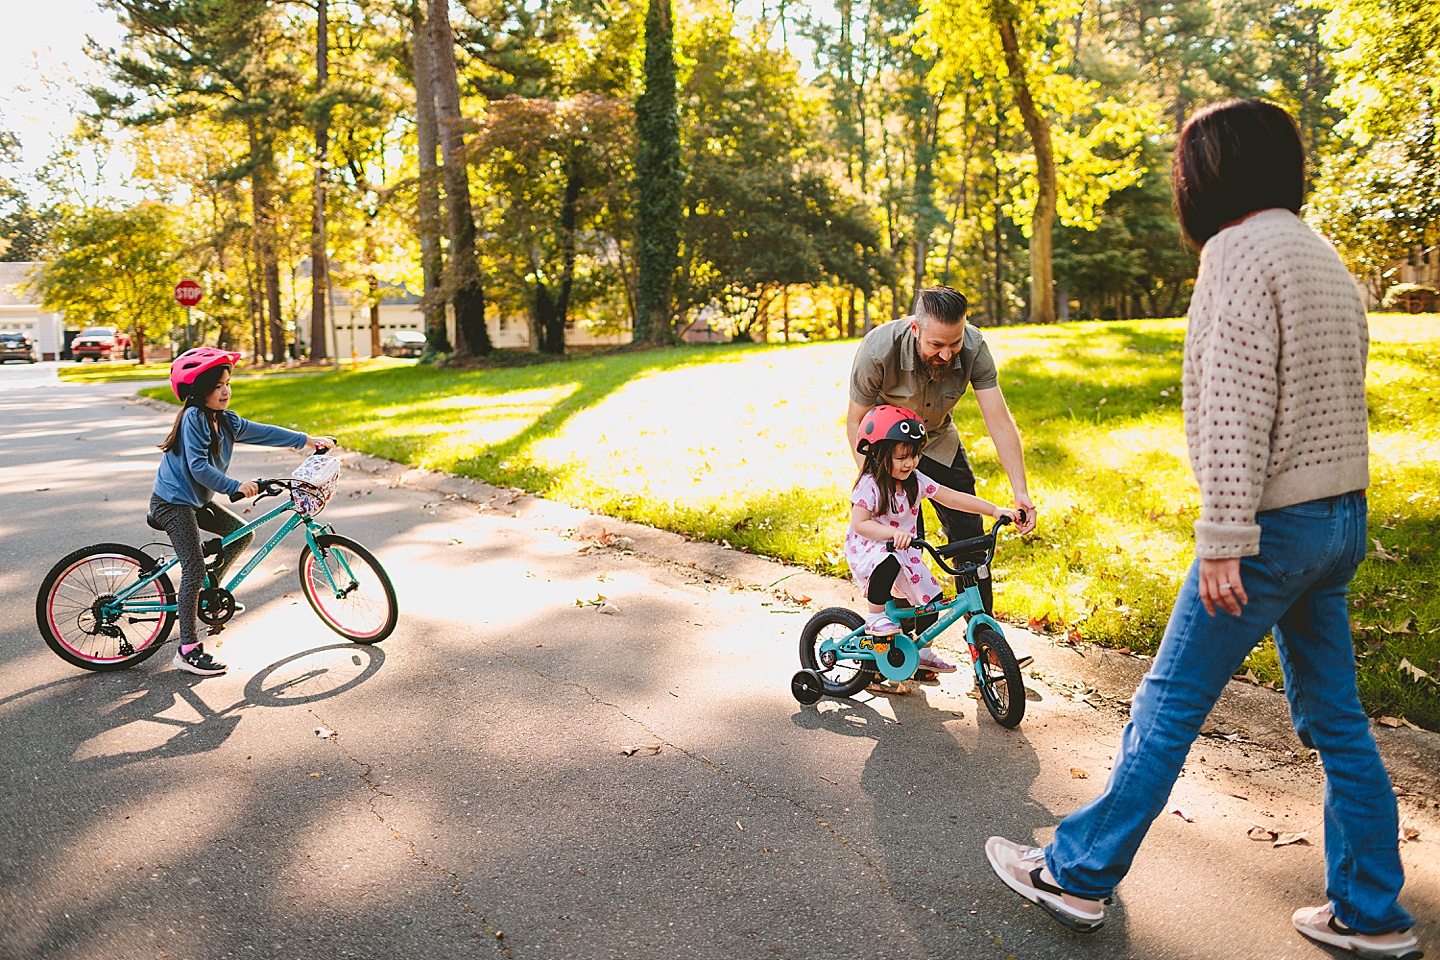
{"points": [[296, 519], [898, 656]]}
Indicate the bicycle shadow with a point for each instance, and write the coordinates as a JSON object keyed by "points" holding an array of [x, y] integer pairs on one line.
{"points": [[167, 712], [943, 777]]}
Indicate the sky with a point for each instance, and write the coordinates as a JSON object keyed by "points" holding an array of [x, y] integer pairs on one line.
{"points": [[47, 41]]}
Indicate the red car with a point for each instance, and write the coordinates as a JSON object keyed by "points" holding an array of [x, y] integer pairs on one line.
{"points": [[100, 343]]}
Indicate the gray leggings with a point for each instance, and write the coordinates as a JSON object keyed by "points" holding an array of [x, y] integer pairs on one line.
{"points": [[183, 524]]}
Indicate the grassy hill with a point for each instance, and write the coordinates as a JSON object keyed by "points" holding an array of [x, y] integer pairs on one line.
{"points": [[744, 444]]}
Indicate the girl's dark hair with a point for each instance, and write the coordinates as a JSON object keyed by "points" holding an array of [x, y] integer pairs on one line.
{"points": [[1235, 158], [877, 465], [195, 395]]}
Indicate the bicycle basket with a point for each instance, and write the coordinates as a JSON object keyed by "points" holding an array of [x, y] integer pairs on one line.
{"points": [[319, 474]]}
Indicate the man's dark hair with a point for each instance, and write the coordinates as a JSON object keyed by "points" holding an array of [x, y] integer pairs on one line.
{"points": [[1235, 158], [945, 304]]}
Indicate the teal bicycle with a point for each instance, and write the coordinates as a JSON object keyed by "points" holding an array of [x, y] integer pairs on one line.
{"points": [[110, 605], [839, 659]]}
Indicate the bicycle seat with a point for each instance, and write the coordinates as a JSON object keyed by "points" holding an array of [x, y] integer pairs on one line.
{"points": [[153, 523]]}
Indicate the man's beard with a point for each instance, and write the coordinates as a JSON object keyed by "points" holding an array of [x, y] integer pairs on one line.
{"points": [[938, 369]]}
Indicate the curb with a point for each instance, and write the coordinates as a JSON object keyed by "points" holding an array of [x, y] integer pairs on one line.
{"points": [[1104, 679]]}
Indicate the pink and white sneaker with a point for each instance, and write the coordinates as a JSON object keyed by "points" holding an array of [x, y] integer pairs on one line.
{"points": [[879, 625], [930, 660]]}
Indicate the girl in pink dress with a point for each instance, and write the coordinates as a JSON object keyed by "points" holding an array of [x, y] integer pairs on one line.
{"points": [[885, 505]]}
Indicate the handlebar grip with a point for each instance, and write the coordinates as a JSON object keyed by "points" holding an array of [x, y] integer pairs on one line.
{"points": [[236, 497], [321, 449]]}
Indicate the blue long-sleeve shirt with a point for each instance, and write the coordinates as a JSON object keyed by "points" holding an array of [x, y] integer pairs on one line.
{"points": [[189, 473]]}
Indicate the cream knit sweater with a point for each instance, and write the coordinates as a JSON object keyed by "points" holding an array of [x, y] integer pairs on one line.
{"points": [[1274, 378]]}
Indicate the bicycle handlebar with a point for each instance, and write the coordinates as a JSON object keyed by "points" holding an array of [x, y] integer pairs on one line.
{"points": [[987, 542], [273, 488]]}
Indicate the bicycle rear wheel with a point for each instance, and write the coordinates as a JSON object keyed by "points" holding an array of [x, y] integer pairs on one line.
{"points": [[365, 610], [841, 678], [76, 615], [1001, 688]]}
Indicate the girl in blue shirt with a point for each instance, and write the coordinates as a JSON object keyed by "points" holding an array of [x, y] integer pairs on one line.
{"points": [[192, 471]]}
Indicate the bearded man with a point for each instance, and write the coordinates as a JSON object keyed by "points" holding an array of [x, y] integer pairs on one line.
{"points": [[925, 363]]}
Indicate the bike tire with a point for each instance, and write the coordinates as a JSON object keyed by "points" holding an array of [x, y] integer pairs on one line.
{"points": [[844, 678], [360, 619], [65, 608], [1001, 688]]}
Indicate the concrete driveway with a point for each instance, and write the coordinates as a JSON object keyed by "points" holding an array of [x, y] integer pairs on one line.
{"points": [[565, 750]]}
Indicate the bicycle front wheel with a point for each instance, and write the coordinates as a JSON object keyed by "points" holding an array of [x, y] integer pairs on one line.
{"points": [[80, 619], [356, 599], [1000, 685]]}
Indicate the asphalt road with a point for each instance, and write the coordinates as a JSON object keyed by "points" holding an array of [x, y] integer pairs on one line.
{"points": [[477, 799]]}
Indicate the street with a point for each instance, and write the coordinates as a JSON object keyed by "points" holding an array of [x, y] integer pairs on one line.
{"points": [[567, 749]]}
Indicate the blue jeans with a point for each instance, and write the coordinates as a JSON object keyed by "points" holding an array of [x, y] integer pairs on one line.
{"points": [[1297, 585]]}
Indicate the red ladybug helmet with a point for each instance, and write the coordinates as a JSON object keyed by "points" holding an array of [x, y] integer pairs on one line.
{"points": [[190, 364], [887, 422]]}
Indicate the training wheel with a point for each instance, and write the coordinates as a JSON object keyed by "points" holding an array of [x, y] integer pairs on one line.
{"points": [[807, 687]]}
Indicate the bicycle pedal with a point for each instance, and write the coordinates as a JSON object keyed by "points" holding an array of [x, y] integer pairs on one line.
{"points": [[928, 677]]}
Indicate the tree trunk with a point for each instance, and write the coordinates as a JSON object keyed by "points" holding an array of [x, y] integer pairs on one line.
{"points": [[427, 203], [265, 246], [319, 258], [1037, 126], [659, 180], [463, 280]]}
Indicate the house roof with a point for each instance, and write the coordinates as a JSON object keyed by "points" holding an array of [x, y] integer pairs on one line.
{"points": [[11, 276]]}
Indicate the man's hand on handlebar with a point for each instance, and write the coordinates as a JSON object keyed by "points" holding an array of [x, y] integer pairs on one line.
{"points": [[1025, 515]]}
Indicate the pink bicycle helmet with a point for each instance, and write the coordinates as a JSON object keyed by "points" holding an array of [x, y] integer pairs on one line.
{"points": [[887, 422], [190, 364]]}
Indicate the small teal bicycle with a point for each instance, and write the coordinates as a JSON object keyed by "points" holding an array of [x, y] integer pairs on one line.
{"points": [[839, 659], [109, 606]]}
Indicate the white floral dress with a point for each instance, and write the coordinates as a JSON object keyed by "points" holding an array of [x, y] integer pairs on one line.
{"points": [[915, 580]]}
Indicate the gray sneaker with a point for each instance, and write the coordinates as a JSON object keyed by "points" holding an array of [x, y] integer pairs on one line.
{"points": [[199, 662], [1319, 923], [1023, 870]]}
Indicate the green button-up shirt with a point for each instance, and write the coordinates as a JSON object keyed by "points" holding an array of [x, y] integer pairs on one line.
{"points": [[888, 369]]}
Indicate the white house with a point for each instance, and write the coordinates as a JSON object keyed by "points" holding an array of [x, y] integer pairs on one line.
{"points": [[400, 310], [20, 310]]}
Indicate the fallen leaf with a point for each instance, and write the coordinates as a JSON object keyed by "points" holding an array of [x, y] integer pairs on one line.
{"points": [[654, 748], [1182, 814], [1079, 774], [1407, 667], [314, 774], [795, 597], [279, 570], [455, 541], [1380, 553], [611, 609], [1409, 834], [1257, 832], [1286, 839], [324, 733], [1387, 721]]}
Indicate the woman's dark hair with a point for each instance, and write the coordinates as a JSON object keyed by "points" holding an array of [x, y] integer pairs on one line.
{"points": [[877, 465], [195, 395], [1235, 158], [945, 304]]}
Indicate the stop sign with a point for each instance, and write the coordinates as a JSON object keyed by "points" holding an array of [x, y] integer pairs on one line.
{"points": [[188, 293]]}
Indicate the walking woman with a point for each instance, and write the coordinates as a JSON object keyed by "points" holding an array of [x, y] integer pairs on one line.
{"points": [[1274, 386]]}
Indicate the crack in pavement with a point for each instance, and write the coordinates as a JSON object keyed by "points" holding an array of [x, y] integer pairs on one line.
{"points": [[880, 878], [457, 884]]}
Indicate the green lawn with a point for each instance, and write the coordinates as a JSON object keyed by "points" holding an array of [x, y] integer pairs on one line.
{"points": [[744, 444]]}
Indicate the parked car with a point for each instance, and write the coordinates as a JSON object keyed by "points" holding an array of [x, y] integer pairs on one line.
{"points": [[17, 346], [404, 343], [100, 342]]}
